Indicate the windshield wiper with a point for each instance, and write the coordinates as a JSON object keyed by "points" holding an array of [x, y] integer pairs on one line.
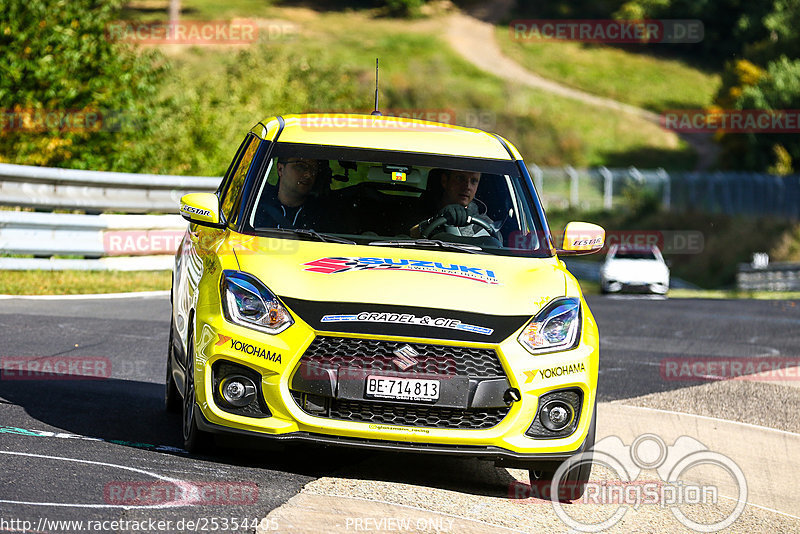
{"points": [[461, 247], [314, 234]]}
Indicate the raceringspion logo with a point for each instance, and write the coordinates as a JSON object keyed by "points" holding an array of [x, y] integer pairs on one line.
{"points": [[704, 490]]}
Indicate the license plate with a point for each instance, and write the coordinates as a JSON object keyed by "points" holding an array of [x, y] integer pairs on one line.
{"points": [[396, 388]]}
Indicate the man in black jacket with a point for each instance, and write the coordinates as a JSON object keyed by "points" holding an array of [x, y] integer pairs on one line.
{"points": [[456, 204]]}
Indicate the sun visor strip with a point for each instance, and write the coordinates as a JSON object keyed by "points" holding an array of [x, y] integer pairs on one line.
{"points": [[405, 321]]}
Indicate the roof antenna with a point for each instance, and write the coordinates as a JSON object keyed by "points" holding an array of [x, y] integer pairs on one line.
{"points": [[375, 111]]}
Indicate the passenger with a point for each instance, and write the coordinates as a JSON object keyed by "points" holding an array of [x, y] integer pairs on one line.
{"points": [[293, 203]]}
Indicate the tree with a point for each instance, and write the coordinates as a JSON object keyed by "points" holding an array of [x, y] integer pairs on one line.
{"points": [[776, 89], [70, 94]]}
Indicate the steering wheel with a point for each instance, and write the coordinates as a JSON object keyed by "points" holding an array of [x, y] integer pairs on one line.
{"points": [[440, 221]]}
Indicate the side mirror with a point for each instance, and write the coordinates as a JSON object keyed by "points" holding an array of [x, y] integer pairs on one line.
{"points": [[582, 238], [202, 209]]}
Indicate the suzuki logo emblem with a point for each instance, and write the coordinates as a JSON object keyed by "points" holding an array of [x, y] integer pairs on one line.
{"points": [[405, 357]]}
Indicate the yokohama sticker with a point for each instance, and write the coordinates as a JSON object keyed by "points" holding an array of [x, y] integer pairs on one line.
{"points": [[407, 318], [339, 265], [557, 371], [258, 352]]}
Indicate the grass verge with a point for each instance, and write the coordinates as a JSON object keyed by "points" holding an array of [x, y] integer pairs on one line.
{"points": [[732, 294], [638, 79], [589, 287], [328, 65], [81, 282]]}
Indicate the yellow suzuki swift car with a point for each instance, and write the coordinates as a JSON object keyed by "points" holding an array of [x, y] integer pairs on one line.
{"points": [[383, 283]]}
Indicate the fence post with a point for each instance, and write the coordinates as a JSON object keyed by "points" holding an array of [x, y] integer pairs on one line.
{"points": [[573, 186], [666, 199], [538, 178], [608, 187]]}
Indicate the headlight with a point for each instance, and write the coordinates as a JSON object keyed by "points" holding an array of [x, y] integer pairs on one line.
{"points": [[247, 302], [554, 328]]}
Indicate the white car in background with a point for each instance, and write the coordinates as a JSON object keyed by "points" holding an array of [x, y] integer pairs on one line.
{"points": [[640, 269]]}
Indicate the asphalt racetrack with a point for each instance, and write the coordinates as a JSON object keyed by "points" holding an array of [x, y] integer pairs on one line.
{"points": [[105, 455]]}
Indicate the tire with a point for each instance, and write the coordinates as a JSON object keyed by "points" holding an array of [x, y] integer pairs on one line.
{"points": [[194, 439], [575, 480], [172, 398]]}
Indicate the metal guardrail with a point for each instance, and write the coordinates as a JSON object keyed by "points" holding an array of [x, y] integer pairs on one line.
{"points": [[778, 276], [102, 242], [110, 237], [96, 191], [45, 188]]}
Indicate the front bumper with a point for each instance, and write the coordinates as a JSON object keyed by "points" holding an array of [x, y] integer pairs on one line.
{"points": [[490, 453], [278, 358], [616, 286]]}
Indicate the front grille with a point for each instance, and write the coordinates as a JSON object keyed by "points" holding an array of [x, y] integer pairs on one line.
{"points": [[375, 355], [409, 414], [372, 354]]}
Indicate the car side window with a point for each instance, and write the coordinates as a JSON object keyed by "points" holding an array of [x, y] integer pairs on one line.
{"points": [[237, 181], [226, 179]]}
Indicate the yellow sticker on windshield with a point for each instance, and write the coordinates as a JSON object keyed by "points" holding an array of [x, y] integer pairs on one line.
{"points": [[398, 176]]}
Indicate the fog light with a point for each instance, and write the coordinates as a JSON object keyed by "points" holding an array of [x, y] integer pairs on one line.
{"points": [[556, 415], [237, 390]]}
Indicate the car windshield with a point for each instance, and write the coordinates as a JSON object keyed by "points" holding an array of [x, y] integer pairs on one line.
{"points": [[635, 255], [385, 198]]}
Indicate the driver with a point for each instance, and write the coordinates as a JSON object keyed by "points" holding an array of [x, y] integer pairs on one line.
{"points": [[457, 204]]}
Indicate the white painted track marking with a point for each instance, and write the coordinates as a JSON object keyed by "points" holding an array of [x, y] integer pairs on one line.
{"points": [[186, 486]]}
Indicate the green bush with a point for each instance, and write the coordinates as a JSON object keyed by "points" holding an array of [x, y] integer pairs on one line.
{"points": [[404, 8], [70, 95], [776, 89], [206, 113]]}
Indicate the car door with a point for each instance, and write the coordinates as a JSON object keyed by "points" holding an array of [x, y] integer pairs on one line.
{"points": [[197, 249]]}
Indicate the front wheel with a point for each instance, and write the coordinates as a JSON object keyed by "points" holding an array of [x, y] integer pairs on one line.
{"points": [[194, 439], [573, 483]]}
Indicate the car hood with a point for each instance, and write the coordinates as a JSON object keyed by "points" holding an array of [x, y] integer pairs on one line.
{"points": [[339, 273]]}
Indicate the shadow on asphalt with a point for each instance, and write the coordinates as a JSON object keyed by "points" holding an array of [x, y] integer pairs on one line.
{"points": [[131, 413]]}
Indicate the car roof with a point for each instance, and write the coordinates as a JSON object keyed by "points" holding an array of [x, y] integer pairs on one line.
{"points": [[633, 249], [379, 132]]}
